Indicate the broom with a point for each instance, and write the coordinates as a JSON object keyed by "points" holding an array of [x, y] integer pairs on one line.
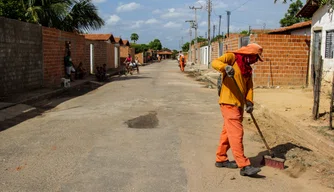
{"points": [[268, 160]]}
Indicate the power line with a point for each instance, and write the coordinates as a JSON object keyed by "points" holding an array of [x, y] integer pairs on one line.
{"points": [[241, 5]]}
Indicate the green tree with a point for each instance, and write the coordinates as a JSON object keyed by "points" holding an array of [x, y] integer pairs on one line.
{"points": [[12, 9], [185, 47], [218, 37], [155, 45], [321, 3], [290, 17], [199, 39], [244, 32], [139, 48], [174, 54], [82, 17], [68, 15], [134, 37]]}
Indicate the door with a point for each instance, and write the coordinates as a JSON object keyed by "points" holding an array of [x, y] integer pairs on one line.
{"points": [[116, 57], [91, 58]]}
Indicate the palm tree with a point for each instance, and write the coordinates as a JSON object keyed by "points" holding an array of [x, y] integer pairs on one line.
{"points": [[67, 15], [134, 37], [48, 13], [82, 17]]}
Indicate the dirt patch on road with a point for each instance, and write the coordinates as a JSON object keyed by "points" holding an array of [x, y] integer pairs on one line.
{"points": [[289, 142], [148, 121], [305, 146]]}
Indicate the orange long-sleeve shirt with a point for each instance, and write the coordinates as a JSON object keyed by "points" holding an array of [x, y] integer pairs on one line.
{"points": [[229, 92]]}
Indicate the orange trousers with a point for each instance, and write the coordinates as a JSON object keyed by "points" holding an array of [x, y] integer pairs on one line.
{"points": [[232, 136], [182, 67]]}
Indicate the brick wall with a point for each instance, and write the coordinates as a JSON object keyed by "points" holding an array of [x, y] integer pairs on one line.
{"points": [[231, 43], [110, 55], [124, 51], [21, 56], [286, 59], [214, 50], [140, 57], [54, 52]]}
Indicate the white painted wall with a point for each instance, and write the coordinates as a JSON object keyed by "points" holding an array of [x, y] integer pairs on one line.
{"points": [[323, 20], [305, 31], [204, 55]]}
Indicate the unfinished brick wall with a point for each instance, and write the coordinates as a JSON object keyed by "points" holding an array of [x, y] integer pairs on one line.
{"points": [[110, 55], [21, 56], [214, 50], [232, 43], [54, 52], [286, 59], [104, 53], [124, 51], [140, 57]]}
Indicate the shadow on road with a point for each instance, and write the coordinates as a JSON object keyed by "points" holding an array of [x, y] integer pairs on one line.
{"points": [[280, 151], [124, 78], [37, 108]]}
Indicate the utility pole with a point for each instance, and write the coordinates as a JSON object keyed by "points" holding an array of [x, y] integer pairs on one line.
{"points": [[192, 25], [209, 3], [228, 23], [249, 30], [214, 31], [189, 51], [195, 25], [220, 20]]}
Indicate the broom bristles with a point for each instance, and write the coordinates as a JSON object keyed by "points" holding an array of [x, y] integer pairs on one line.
{"points": [[274, 162]]}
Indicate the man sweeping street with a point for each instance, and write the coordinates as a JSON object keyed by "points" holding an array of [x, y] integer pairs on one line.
{"points": [[236, 64]]}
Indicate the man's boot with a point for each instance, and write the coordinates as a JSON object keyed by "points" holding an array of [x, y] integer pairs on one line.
{"points": [[249, 171]]}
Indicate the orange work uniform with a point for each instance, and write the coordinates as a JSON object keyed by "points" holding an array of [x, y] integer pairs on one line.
{"points": [[182, 62], [232, 109]]}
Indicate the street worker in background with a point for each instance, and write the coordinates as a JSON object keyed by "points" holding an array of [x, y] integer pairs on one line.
{"points": [[182, 62], [236, 64]]}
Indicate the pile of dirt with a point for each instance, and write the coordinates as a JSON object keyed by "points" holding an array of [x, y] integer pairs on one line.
{"points": [[286, 142]]}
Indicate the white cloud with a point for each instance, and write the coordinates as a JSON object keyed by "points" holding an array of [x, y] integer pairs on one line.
{"points": [[203, 23], [137, 24], [157, 11], [220, 5], [172, 25], [172, 13], [127, 7], [152, 21], [113, 19], [99, 1]]}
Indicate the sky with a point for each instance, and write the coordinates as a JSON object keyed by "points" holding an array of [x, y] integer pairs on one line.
{"points": [[165, 19]]}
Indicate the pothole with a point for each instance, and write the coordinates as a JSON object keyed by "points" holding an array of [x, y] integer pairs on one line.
{"points": [[148, 121]]}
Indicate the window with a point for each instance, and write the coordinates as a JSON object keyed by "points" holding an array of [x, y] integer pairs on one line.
{"points": [[329, 44]]}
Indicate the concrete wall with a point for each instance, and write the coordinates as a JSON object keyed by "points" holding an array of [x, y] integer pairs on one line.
{"points": [[21, 56], [322, 20]]}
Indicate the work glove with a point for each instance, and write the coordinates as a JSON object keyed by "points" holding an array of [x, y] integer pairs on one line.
{"points": [[249, 107], [229, 71]]}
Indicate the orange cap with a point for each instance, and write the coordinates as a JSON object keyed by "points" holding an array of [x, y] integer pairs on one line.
{"points": [[251, 49]]}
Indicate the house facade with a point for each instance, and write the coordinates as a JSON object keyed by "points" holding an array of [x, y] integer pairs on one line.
{"points": [[322, 36], [100, 49], [126, 50]]}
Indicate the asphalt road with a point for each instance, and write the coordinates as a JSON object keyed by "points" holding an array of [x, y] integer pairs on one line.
{"points": [[150, 132]]}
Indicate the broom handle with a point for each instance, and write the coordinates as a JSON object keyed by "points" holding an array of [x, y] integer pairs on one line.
{"points": [[253, 118]]}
